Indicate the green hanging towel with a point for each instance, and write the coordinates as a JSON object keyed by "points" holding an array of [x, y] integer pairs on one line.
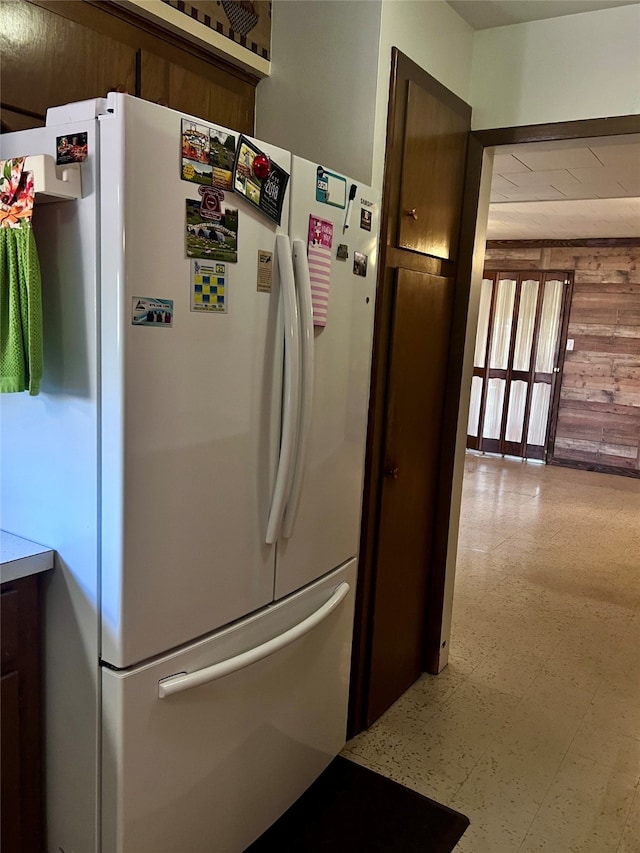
{"points": [[20, 311]]}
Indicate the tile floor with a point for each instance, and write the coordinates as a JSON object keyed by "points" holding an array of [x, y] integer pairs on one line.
{"points": [[533, 729]]}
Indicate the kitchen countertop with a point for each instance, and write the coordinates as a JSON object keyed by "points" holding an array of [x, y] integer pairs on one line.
{"points": [[20, 557]]}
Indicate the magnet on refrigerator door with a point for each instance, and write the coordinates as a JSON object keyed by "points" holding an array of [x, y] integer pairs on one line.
{"points": [[266, 193], [365, 219], [360, 264], [196, 166], [265, 271], [320, 240], [149, 311], [343, 252], [222, 155], [210, 239], [331, 188], [208, 287], [71, 149], [211, 199]]}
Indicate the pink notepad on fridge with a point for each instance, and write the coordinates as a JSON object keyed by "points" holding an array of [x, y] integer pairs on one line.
{"points": [[319, 253]]}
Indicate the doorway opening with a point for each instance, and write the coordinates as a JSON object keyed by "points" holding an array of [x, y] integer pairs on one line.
{"points": [[593, 420]]}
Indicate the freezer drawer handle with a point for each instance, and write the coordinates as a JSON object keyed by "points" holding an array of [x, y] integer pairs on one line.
{"points": [[184, 681]]}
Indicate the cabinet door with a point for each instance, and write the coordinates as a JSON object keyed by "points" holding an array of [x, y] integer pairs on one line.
{"points": [[49, 60], [14, 120], [422, 322], [10, 739], [9, 622], [228, 102], [435, 146], [20, 729]]}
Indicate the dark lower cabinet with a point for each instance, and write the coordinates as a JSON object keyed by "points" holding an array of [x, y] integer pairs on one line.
{"points": [[21, 806]]}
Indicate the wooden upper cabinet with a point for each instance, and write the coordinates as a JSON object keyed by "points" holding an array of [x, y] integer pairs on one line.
{"points": [[49, 60], [435, 146], [188, 92], [57, 52], [12, 120], [161, 80]]}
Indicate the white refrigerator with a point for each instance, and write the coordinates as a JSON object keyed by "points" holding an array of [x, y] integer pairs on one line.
{"points": [[200, 479]]}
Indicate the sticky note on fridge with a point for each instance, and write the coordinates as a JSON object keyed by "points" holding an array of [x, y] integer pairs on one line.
{"points": [[319, 254]]}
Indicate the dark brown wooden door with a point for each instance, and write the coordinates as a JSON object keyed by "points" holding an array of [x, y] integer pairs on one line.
{"points": [[415, 397], [421, 314], [434, 147]]}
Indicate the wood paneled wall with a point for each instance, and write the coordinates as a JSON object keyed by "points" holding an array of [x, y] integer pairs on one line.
{"points": [[56, 52], [598, 420]]}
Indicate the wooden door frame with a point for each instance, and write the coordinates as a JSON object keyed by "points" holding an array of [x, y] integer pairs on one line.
{"points": [[479, 140], [554, 403]]}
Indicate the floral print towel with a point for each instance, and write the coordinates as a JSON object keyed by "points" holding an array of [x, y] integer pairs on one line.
{"points": [[20, 285], [16, 193]]}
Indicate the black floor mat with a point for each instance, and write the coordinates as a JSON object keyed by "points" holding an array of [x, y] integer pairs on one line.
{"points": [[350, 809]]}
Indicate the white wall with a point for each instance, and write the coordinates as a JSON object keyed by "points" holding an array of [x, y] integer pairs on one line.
{"points": [[327, 96], [562, 69], [319, 101], [437, 39]]}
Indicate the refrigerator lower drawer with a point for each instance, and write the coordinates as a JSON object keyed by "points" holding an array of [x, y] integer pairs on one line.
{"points": [[203, 749]]}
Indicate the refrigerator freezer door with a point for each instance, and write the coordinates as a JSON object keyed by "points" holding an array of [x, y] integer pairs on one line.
{"points": [[326, 529], [191, 406], [210, 767]]}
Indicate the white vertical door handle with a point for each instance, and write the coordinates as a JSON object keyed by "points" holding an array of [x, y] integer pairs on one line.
{"points": [[291, 391], [305, 305]]}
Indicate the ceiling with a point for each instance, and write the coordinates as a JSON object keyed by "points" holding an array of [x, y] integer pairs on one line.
{"points": [[482, 14], [566, 189]]}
